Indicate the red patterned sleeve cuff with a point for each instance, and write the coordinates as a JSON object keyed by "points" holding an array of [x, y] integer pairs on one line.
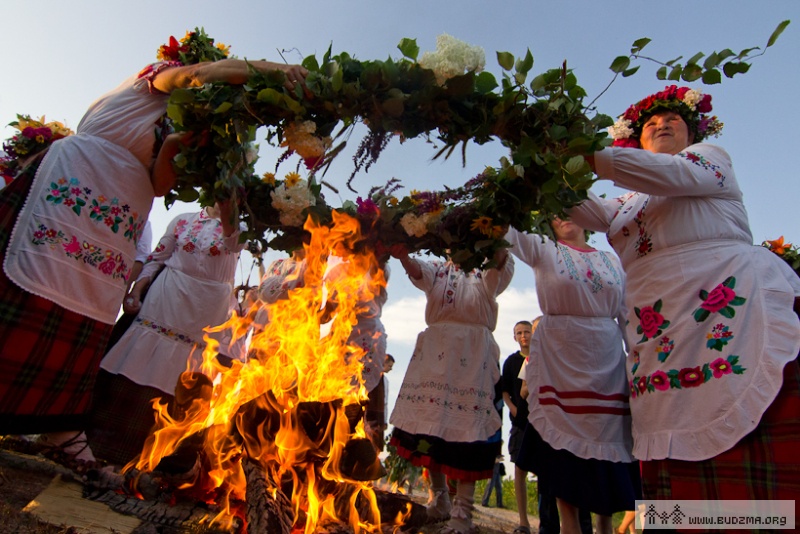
{"points": [[151, 71]]}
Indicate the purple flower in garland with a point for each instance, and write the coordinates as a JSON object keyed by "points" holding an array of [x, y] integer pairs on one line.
{"points": [[367, 207]]}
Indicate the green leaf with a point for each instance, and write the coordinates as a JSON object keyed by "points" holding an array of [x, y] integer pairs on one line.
{"points": [[538, 83], [734, 67], [711, 77], [630, 72], [725, 54], [310, 63], [639, 44], [661, 73], [337, 80], [694, 59], [269, 96], [224, 107], [620, 63], [409, 48], [675, 73], [575, 164], [711, 61], [525, 65], [485, 82], [551, 186], [692, 72], [175, 112], [187, 195], [181, 96], [777, 32], [506, 60], [701, 315], [557, 132], [746, 52]]}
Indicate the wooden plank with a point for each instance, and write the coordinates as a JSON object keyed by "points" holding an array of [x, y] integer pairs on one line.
{"points": [[62, 503]]}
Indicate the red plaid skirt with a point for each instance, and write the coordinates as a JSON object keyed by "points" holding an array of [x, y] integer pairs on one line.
{"points": [[49, 356], [764, 465]]}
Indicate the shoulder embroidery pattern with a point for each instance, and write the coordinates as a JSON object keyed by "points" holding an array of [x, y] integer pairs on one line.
{"points": [[699, 159]]}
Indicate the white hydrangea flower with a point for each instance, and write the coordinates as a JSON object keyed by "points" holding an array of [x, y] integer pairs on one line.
{"points": [[417, 225], [291, 201], [621, 129], [453, 57], [692, 98]]}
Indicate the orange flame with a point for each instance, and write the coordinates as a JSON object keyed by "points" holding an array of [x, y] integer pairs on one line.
{"points": [[285, 407]]}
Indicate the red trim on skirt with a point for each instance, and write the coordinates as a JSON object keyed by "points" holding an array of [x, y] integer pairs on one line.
{"points": [[433, 465]]}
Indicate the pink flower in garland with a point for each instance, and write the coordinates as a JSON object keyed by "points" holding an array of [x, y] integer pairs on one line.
{"points": [[367, 207]]}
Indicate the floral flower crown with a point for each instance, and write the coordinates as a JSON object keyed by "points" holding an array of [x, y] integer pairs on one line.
{"points": [[691, 104], [195, 47], [34, 136]]}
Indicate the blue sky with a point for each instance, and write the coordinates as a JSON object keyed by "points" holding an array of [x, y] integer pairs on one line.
{"points": [[59, 56]]}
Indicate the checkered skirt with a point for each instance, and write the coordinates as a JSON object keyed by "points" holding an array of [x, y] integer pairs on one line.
{"points": [[764, 465], [49, 356]]}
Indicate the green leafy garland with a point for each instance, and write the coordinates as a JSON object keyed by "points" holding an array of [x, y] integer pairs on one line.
{"points": [[545, 125]]}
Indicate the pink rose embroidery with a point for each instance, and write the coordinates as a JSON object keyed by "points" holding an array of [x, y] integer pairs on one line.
{"points": [[720, 300], [651, 322], [719, 297]]}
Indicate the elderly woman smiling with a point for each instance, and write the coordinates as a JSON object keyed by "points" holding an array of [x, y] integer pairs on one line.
{"points": [[712, 367]]}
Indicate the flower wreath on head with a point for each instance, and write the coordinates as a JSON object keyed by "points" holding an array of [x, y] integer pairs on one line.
{"points": [[194, 47], [691, 104]]}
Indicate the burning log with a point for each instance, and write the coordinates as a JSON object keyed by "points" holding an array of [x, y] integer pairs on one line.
{"points": [[268, 508]]}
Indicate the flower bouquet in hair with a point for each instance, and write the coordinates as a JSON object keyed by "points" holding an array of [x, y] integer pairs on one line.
{"points": [[33, 139]]}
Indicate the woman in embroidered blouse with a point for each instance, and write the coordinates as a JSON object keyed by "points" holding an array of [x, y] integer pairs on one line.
{"points": [[444, 416], [67, 261], [712, 365], [199, 253], [578, 440]]}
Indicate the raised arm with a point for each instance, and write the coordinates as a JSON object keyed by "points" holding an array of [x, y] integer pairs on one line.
{"points": [[233, 71]]}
